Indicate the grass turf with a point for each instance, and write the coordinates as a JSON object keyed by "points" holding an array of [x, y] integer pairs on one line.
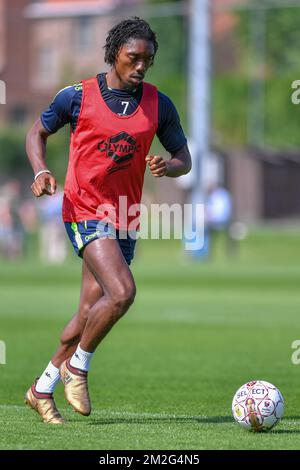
{"points": [[165, 376]]}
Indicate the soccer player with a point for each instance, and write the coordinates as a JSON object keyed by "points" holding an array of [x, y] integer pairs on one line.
{"points": [[114, 118]]}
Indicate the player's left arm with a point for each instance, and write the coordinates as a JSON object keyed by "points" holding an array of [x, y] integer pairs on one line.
{"points": [[179, 164], [172, 137]]}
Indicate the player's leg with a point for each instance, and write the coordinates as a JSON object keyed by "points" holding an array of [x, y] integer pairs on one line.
{"points": [[40, 395], [105, 259], [91, 291]]}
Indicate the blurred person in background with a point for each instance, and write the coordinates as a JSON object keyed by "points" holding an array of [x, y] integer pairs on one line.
{"points": [[53, 246], [30, 222], [114, 118], [218, 217], [6, 229], [12, 232]]}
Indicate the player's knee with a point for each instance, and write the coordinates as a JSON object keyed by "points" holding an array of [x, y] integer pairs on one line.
{"points": [[123, 298]]}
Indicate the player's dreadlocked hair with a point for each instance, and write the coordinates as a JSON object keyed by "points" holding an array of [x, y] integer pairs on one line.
{"points": [[124, 31]]}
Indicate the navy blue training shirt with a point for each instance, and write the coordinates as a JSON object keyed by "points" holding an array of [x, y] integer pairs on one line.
{"points": [[66, 105]]}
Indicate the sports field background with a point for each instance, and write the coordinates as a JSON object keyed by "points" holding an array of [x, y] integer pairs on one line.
{"points": [[165, 376]]}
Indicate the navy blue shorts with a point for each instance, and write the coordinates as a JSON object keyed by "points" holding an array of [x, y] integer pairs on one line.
{"points": [[83, 233]]}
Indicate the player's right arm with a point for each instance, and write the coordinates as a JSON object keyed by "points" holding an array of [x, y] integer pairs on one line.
{"points": [[36, 140], [64, 109]]}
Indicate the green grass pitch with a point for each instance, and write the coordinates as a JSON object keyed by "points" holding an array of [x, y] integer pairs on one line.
{"points": [[165, 376]]}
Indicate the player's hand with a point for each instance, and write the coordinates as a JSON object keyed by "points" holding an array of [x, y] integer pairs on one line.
{"points": [[44, 184], [158, 166]]}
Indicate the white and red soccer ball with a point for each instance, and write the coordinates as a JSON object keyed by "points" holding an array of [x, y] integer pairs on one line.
{"points": [[258, 406]]}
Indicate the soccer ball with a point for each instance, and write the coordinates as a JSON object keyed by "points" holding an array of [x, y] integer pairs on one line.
{"points": [[258, 406]]}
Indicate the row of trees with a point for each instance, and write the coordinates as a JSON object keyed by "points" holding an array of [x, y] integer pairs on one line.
{"points": [[230, 86], [263, 45]]}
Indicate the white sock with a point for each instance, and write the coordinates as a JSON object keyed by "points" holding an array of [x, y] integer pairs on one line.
{"points": [[48, 380], [81, 359]]}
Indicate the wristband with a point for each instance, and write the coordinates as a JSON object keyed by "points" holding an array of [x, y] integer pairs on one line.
{"points": [[40, 173]]}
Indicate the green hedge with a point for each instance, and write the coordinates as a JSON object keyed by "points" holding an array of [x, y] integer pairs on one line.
{"points": [[230, 108], [13, 158]]}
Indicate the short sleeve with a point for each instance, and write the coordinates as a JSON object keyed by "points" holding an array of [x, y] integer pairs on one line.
{"points": [[169, 132], [63, 110]]}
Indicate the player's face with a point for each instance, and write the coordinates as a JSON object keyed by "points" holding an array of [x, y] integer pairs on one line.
{"points": [[133, 61]]}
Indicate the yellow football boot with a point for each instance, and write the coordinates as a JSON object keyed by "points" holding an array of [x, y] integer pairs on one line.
{"points": [[44, 405], [76, 387]]}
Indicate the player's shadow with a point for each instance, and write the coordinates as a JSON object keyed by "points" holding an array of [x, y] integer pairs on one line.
{"points": [[285, 431], [288, 431], [291, 417], [156, 419]]}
